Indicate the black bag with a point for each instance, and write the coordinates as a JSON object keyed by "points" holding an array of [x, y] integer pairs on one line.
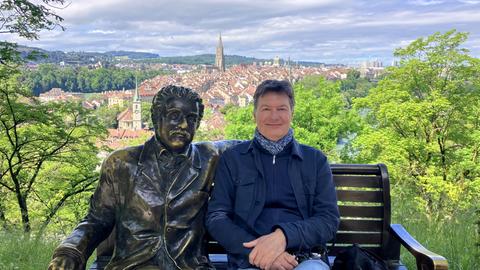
{"points": [[357, 258]]}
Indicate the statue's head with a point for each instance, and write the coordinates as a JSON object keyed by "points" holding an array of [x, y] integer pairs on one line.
{"points": [[176, 115]]}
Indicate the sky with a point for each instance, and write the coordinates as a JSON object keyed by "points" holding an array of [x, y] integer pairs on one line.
{"points": [[346, 32]]}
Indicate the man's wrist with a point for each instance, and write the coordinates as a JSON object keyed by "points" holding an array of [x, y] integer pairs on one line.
{"points": [[281, 235], [70, 252]]}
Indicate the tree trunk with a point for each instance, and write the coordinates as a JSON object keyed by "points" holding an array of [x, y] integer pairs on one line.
{"points": [[3, 219], [22, 203]]}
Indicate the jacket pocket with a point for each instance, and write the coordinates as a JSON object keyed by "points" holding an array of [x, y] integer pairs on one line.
{"points": [[244, 194]]}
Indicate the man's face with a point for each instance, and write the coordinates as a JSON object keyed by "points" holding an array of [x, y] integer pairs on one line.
{"points": [[177, 124], [273, 115]]}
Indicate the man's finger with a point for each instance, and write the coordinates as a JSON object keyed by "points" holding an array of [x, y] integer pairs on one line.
{"points": [[290, 259], [252, 256], [250, 244]]}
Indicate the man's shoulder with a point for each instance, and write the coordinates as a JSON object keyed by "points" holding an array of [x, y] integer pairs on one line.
{"points": [[128, 154], [310, 152], [217, 147], [239, 147]]}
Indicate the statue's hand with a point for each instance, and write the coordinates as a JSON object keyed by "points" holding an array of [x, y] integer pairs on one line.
{"points": [[63, 262]]}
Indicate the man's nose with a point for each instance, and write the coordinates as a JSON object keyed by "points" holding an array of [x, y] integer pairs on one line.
{"points": [[183, 123], [274, 115]]}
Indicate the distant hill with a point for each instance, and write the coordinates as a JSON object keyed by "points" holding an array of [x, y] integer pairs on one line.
{"points": [[206, 59], [85, 58], [132, 55]]}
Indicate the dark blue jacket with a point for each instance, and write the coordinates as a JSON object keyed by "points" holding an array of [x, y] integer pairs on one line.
{"points": [[239, 195]]}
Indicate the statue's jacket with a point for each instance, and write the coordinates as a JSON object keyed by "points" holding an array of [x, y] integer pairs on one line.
{"points": [[155, 216]]}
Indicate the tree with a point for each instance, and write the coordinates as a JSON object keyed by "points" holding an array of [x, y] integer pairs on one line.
{"points": [[34, 137], [354, 86], [424, 121], [26, 19]]}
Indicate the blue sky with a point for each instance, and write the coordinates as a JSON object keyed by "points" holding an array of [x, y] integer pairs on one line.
{"points": [[317, 30]]}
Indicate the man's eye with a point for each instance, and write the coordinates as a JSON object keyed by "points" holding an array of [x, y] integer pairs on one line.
{"points": [[173, 115], [192, 118]]}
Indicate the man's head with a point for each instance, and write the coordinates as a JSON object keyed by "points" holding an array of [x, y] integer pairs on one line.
{"points": [[176, 114], [273, 103]]}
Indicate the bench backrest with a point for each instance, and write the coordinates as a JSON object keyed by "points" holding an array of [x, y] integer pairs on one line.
{"points": [[363, 193]]}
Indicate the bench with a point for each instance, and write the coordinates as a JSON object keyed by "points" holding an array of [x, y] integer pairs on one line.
{"points": [[363, 193]]}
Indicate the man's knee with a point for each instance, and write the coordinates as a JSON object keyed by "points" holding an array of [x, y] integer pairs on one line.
{"points": [[312, 265]]}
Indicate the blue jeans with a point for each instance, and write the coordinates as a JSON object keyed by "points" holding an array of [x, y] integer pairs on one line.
{"points": [[305, 265]]}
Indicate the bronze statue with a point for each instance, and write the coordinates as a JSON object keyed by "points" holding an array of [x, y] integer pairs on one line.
{"points": [[154, 195]]}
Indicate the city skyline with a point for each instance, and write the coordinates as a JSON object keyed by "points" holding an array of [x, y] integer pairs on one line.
{"points": [[326, 31]]}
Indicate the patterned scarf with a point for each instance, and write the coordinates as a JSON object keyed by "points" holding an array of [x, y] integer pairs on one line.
{"points": [[271, 146]]}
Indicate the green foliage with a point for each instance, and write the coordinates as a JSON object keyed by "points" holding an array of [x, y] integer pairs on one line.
{"points": [[27, 19], [18, 251], [146, 114], [354, 86], [453, 238], [82, 79], [240, 123], [47, 154], [417, 117]]}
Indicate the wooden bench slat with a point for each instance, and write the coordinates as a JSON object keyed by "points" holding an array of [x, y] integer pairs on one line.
{"points": [[359, 196], [361, 225], [355, 169], [337, 248], [364, 181], [359, 238], [361, 211]]}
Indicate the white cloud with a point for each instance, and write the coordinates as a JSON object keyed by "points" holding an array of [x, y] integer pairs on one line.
{"points": [[103, 32], [302, 29], [471, 2], [425, 2]]}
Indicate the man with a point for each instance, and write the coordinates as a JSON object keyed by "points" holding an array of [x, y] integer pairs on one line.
{"points": [[154, 195], [273, 200]]}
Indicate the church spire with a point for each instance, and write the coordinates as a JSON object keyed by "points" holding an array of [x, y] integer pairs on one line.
{"points": [[136, 96], [219, 57]]}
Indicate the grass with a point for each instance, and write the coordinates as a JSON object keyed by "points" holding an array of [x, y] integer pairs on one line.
{"points": [[454, 238], [18, 251]]}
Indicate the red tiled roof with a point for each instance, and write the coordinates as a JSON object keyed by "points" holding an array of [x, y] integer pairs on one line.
{"points": [[126, 115]]}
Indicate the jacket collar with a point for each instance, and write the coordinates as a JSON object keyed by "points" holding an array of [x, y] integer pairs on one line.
{"points": [[153, 149], [296, 150]]}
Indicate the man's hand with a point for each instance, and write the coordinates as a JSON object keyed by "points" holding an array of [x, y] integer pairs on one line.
{"points": [[63, 263], [285, 261], [266, 249]]}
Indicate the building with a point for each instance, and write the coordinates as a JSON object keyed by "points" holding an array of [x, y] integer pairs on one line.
{"points": [[219, 57], [276, 61], [131, 118], [58, 95]]}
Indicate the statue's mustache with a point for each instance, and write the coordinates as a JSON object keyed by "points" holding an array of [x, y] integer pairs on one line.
{"points": [[179, 132]]}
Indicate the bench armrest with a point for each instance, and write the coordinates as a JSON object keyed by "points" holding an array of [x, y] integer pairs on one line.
{"points": [[426, 260]]}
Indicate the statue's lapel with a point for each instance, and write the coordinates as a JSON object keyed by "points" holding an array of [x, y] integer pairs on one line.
{"points": [[188, 173], [148, 171]]}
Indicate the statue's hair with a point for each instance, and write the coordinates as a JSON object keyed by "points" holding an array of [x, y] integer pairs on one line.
{"points": [[172, 91]]}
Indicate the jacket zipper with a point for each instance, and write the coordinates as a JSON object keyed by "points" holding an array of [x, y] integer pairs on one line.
{"points": [[274, 159]]}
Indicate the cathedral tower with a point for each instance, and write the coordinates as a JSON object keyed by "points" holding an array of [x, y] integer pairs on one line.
{"points": [[219, 57]]}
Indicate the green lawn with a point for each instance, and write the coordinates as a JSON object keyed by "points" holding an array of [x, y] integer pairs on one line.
{"points": [[455, 239]]}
